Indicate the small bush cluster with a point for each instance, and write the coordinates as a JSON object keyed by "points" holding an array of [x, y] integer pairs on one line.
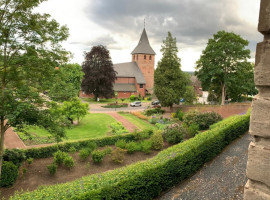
{"points": [[146, 146], [60, 158], [121, 144], [150, 112], [204, 120], [52, 168], [132, 97], [193, 130], [118, 128], [133, 147], [143, 135], [174, 133], [84, 153], [9, 174], [157, 140], [118, 155], [97, 156], [179, 114]]}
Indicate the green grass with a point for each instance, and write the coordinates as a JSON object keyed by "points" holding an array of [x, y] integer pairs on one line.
{"points": [[107, 101], [91, 126], [141, 124]]}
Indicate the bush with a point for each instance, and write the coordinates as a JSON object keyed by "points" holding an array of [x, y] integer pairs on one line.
{"points": [[16, 156], [107, 150], [157, 140], [69, 162], [121, 144], [97, 156], [118, 128], [174, 133], [143, 135], [52, 168], [180, 114], [204, 120], [9, 174], [72, 150], [59, 157], [150, 112], [91, 146], [132, 97], [146, 146], [118, 155], [29, 161], [193, 130], [133, 147], [84, 153], [146, 180]]}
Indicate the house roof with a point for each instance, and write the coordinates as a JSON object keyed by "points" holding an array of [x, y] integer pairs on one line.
{"points": [[129, 69], [143, 47], [124, 87]]}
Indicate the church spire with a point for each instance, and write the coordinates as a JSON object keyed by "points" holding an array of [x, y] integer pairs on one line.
{"points": [[143, 47]]}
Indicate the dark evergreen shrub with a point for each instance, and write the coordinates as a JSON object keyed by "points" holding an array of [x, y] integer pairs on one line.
{"points": [[9, 174]]}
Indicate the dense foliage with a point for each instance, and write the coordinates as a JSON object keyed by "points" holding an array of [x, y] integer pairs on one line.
{"points": [[9, 174], [99, 74], [146, 180], [224, 67], [170, 81], [174, 133]]}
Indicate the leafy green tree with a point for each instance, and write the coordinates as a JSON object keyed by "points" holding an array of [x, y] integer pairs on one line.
{"points": [[189, 94], [223, 65], [68, 82], [29, 51], [99, 74], [170, 81], [74, 109]]}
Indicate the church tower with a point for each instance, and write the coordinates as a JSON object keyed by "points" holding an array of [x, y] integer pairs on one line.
{"points": [[144, 56]]}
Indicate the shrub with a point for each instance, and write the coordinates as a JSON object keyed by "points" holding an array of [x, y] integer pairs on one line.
{"points": [[118, 155], [133, 147], [29, 161], [153, 120], [59, 157], [107, 150], [174, 133], [132, 97], [180, 114], [146, 180], [121, 144], [69, 162], [91, 146], [143, 135], [146, 146], [9, 174], [157, 140], [52, 168], [204, 120], [16, 156], [97, 156], [193, 130], [154, 111], [118, 128], [72, 150], [84, 153]]}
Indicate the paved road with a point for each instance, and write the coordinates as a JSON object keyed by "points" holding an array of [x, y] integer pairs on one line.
{"points": [[221, 179]]}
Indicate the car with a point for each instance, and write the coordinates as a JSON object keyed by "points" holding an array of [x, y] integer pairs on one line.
{"points": [[136, 104], [156, 102]]}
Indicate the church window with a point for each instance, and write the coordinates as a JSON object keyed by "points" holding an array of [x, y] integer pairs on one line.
{"points": [[150, 57], [144, 57], [141, 85]]}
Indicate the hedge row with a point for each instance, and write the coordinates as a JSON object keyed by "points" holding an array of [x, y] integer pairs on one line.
{"points": [[145, 180], [17, 156]]}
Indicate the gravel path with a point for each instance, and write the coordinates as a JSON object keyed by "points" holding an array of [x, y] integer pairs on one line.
{"points": [[128, 125], [221, 179]]}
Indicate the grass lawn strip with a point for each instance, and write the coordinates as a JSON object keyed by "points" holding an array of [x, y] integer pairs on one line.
{"points": [[141, 124]]}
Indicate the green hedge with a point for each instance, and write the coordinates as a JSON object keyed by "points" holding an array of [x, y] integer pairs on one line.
{"points": [[145, 180], [44, 152]]}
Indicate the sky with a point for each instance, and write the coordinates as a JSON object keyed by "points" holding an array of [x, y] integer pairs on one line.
{"points": [[118, 24]]}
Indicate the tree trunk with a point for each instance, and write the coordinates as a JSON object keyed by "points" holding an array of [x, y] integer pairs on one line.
{"points": [[2, 129], [223, 95]]}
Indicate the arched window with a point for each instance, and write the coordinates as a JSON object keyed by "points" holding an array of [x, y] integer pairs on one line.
{"points": [[150, 57], [144, 57]]}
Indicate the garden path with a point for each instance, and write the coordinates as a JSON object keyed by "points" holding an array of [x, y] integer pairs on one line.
{"points": [[129, 126], [12, 140]]}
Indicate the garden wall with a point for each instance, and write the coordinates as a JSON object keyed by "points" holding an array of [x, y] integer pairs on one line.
{"points": [[146, 180]]}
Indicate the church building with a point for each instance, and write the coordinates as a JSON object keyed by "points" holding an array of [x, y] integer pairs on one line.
{"points": [[136, 77]]}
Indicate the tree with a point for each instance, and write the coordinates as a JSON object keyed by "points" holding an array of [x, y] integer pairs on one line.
{"points": [[74, 109], [99, 74], [170, 81], [189, 95], [29, 51], [68, 82], [223, 65]]}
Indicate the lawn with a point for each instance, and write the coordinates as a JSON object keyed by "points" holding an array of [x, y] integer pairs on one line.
{"points": [[91, 126], [107, 101], [141, 124]]}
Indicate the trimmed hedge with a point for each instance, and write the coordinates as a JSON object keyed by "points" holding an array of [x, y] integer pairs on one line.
{"points": [[145, 180], [48, 151], [9, 174]]}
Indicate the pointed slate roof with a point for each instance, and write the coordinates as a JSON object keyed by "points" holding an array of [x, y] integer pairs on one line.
{"points": [[143, 47]]}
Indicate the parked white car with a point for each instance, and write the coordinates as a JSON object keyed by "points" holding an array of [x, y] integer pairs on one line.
{"points": [[136, 104]]}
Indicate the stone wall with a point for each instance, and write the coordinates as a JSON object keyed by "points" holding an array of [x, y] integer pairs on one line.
{"points": [[258, 165]]}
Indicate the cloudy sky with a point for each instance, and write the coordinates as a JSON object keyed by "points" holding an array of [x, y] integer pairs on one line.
{"points": [[118, 24]]}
